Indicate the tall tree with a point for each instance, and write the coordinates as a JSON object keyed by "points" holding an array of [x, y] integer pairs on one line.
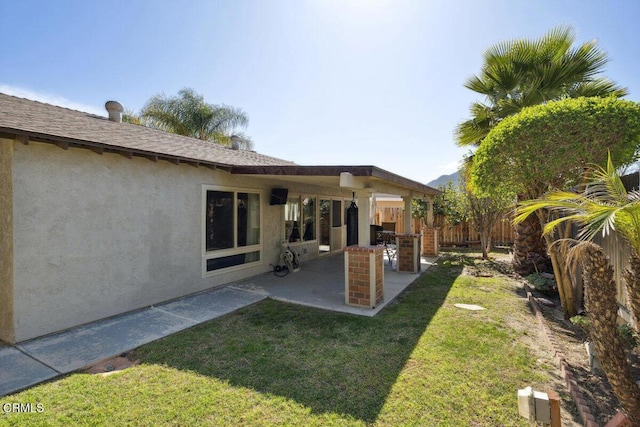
{"points": [[189, 115], [521, 73], [549, 147]]}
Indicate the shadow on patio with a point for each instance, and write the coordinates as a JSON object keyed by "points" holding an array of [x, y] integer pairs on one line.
{"points": [[332, 363], [320, 284]]}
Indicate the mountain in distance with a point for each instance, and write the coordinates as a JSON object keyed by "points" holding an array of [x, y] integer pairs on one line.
{"points": [[444, 179]]}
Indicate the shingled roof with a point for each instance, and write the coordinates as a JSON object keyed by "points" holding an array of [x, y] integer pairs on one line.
{"points": [[31, 120], [25, 120]]}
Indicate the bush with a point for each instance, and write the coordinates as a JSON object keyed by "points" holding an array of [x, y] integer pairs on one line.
{"points": [[542, 284]]}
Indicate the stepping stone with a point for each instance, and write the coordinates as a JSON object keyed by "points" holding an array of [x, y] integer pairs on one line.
{"points": [[469, 307], [546, 302]]}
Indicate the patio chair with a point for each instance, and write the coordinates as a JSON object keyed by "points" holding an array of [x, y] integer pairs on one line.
{"points": [[376, 234], [389, 232], [389, 240]]}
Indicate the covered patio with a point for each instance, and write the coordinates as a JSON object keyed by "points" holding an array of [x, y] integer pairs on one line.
{"points": [[369, 283], [320, 283]]}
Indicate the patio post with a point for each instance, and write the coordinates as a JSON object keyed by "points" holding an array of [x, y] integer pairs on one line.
{"points": [[363, 199], [409, 249], [430, 244], [364, 276], [408, 224]]}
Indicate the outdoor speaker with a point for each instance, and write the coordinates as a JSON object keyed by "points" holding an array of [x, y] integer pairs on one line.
{"points": [[279, 196]]}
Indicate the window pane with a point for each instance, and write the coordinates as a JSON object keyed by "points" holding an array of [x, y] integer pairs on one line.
{"points": [[309, 218], [325, 223], [292, 219], [219, 220], [337, 213], [233, 260], [248, 219]]}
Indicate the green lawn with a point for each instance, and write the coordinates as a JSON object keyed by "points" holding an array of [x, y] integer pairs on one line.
{"points": [[420, 362]]}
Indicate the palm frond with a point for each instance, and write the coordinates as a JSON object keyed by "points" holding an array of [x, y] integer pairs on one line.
{"points": [[188, 114]]}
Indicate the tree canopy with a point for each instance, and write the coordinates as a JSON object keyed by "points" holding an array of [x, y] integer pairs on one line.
{"points": [[450, 203], [520, 73], [549, 146], [189, 115]]}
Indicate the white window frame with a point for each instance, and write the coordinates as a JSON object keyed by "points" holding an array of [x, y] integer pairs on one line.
{"points": [[236, 250]]}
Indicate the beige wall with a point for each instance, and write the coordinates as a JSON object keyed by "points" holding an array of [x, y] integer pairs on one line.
{"points": [[6, 241], [98, 235]]}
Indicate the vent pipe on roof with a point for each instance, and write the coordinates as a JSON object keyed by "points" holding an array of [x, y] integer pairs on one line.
{"points": [[235, 142], [115, 111]]}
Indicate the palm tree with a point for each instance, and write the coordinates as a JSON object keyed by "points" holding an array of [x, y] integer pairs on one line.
{"points": [[602, 207], [187, 114], [521, 73]]}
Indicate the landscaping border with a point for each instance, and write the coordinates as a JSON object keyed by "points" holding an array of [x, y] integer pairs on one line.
{"points": [[576, 394]]}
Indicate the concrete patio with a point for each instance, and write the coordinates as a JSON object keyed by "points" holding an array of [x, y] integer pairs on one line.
{"points": [[319, 283]]}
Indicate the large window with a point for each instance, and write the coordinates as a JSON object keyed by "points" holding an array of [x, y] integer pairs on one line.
{"points": [[300, 219], [231, 228]]}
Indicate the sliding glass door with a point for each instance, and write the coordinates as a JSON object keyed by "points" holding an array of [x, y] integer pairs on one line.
{"points": [[331, 225]]}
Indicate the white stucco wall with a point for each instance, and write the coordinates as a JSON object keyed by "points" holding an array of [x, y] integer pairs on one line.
{"points": [[98, 235]]}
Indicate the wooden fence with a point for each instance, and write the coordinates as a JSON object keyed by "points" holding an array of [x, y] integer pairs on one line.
{"points": [[393, 214], [465, 233]]}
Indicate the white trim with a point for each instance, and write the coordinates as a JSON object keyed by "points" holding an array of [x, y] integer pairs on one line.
{"points": [[337, 248], [372, 279], [346, 277]]}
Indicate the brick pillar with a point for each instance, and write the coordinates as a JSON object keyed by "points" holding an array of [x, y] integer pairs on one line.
{"points": [[364, 276], [430, 244], [408, 254]]}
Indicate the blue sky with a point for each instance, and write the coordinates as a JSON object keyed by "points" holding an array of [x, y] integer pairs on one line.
{"points": [[357, 82]]}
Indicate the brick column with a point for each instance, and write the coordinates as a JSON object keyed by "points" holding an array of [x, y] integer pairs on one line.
{"points": [[364, 276], [408, 246], [430, 244]]}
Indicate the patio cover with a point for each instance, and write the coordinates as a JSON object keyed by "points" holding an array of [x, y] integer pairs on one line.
{"points": [[368, 178], [364, 181]]}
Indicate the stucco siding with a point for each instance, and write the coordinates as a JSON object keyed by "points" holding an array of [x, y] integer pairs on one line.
{"points": [[98, 235], [6, 241]]}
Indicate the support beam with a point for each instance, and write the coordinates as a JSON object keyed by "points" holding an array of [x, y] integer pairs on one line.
{"points": [[23, 139], [97, 150], [430, 211], [408, 223], [364, 218], [63, 145], [154, 159], [127, 154]]}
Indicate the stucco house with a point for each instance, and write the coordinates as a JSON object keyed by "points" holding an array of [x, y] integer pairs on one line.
{"points": [[100, 217]]}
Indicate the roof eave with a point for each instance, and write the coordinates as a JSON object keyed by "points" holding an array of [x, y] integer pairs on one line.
{"points": [[64, 142], [360, 171]]}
